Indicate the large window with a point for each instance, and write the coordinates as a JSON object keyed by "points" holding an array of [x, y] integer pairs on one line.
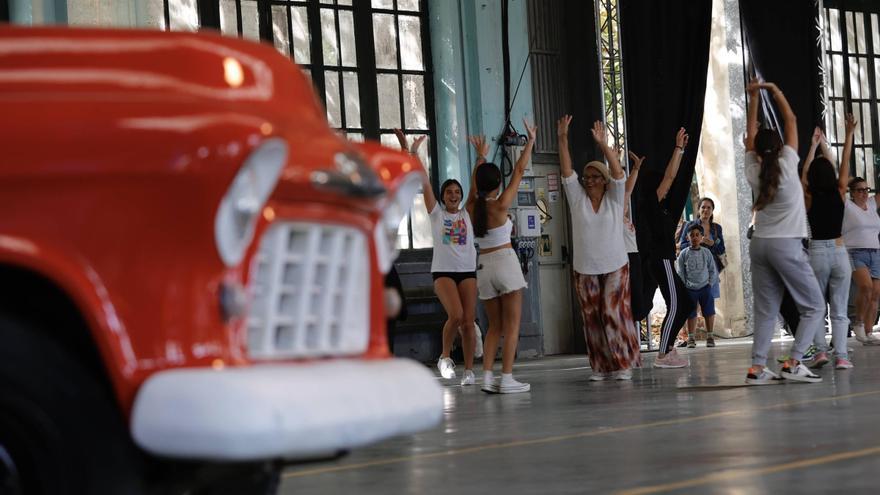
{"points": [[852, 71], [368, 59]]}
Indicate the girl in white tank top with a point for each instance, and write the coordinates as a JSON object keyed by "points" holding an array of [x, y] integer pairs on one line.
{"points": [[499, 278]]}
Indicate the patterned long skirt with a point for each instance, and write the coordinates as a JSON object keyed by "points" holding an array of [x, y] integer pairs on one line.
{"points": [[611, 336]]}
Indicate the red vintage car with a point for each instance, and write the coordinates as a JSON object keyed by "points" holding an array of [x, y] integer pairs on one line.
{"points": [[191, 268]]}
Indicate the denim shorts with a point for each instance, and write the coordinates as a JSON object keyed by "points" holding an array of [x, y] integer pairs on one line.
{"points": [[868, 258]]}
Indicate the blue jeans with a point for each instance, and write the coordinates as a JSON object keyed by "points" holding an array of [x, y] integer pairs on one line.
{"points": [[831, 264]]}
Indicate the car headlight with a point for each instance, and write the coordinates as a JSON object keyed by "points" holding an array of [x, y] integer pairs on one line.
{"points": [[394, 212], [237, 215]]}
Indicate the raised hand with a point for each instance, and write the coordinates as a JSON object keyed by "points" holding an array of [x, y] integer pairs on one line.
{"points": [[562, 126], [850, 123], [769, 86], [753, 87], [599, 134], [531, 131], [681, 139], [636, 162], [414, 148], [817, 136], [401, 138], [480, 145]]}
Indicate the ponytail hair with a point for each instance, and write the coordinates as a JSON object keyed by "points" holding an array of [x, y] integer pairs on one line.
{"points": [[487, 178], [768, 145]]}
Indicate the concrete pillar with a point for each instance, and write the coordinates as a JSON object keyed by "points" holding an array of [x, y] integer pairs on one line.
{"points": [[719, 170], [450, 92]]}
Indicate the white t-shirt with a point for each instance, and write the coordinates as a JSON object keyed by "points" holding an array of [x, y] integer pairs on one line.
{"points": [[597, 235], [861, 227], [786, 215], [453, 233]]}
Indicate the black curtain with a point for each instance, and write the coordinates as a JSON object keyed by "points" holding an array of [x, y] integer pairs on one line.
{"points": [[585, 97], [581, 60], [781, 41], [665, 58]]}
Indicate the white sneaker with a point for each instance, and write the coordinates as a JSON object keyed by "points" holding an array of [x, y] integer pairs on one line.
{"points": [[763, 377], [513, 387], [626, 374], [468, 378], [478, 336], [490, 386], [446, 367], [671, 360], [598, 377], [859, 331], [800, 373]]}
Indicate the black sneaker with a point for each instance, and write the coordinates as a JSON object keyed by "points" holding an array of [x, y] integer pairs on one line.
{"points": [[710, 342]]}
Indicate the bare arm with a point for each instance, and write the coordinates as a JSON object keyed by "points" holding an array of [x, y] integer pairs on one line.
{"points": [[681, 140], [413, 149], [562, 140], [752, 116], [633, 172], [788, 117], [506, 198], [611, 155], [482, 149], [843, 178], [816, 139]]}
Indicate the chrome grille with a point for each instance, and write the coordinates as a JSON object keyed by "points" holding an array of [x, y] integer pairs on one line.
{"points": [[310, 292]]}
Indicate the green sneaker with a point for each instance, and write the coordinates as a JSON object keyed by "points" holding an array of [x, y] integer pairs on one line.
{"points": [[811, 351]]}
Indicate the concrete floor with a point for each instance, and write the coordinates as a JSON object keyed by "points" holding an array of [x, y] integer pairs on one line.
{"points": [[691, 430]]}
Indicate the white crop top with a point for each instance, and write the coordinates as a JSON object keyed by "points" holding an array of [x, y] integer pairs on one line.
{"points": [[498, 236]]}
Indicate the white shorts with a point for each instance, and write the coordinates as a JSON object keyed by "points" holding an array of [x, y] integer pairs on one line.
{"points": [[499, 273]]}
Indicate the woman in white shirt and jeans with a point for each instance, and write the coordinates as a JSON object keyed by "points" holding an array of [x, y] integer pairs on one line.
{"points": [[601, 265], [779, 257]]}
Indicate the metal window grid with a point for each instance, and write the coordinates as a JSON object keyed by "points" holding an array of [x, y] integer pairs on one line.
{"points": [[366, 70]]}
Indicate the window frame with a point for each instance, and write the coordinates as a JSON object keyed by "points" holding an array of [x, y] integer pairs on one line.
{"points": [[366, 70], [835, 122]]}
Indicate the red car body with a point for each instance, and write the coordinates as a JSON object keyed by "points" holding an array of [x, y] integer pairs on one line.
{"points": [[118, 147]]}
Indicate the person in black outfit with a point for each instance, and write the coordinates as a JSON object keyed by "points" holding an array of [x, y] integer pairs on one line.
{"points": [[660, 223]]}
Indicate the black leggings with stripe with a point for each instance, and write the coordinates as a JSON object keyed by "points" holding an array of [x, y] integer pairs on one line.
{"points": [[678, 302]]}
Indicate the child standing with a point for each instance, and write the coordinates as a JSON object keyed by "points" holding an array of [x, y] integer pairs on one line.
{"points": [[697, 269]]}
